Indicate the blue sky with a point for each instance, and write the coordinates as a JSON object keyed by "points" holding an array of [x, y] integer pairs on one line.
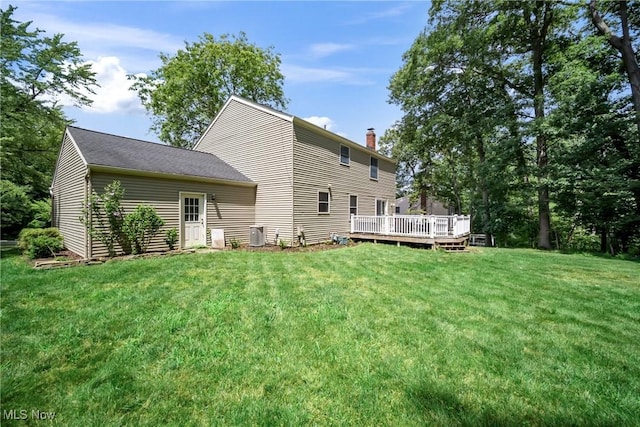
{"points": [[337, 57]]}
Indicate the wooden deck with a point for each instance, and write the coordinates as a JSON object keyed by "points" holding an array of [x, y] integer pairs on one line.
{"points": [[448, 232]]}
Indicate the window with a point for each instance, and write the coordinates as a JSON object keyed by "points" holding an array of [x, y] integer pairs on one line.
{"points": [[345, 155], [353, 206], [381, 207], [397, 209], [373, 168], [191, 209], [323, 202]]}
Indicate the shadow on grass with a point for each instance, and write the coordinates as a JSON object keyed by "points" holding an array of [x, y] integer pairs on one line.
{"points": [[441, 406], [621, 257], [11, 252]]}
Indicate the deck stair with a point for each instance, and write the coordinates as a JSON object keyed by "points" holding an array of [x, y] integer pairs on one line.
{"points": [[452, 245]]}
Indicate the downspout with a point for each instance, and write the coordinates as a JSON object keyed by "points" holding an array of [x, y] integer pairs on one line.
{"points": [[88, 239], [52, 210], [294, 234]]}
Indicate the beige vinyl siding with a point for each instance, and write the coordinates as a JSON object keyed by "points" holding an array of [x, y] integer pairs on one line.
{"points": [[259, 145], [317, 166], [69, 187], [232, 210]]}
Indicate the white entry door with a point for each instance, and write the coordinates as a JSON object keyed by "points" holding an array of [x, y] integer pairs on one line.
{"points": [[193, 220]]}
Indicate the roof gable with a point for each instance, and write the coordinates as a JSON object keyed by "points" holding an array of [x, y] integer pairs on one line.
{"points": [[293, 119], [112, 151]]}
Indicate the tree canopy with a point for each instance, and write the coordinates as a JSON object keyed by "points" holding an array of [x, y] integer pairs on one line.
{"points": [[189, 88], [35, 71], [517, 113]]}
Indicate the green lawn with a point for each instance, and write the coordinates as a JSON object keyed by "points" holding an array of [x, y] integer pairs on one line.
{"points": [[365, 335]]}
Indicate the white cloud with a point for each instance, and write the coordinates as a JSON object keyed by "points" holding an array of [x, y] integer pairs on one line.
{"points": [[113, 95], [103, 34], [321, 50], [323, 122], [392, 12], [300, 74], [137, 48]]}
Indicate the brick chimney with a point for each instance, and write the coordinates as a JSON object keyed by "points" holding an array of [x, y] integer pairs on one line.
{"points": [[371, 139]]}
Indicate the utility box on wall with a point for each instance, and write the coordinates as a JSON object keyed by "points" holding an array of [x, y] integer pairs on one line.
{"points": [[217, 238], [256, 235]]}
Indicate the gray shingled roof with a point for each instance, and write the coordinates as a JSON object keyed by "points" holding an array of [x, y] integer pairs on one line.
{"points": [[102, 149]]}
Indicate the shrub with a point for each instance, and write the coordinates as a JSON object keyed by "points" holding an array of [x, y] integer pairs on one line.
{"points": [[235, 243], [141, 226], [172, 238], [15, 208], [40, 213], [40, 242], [283, 244], [104, 217]]}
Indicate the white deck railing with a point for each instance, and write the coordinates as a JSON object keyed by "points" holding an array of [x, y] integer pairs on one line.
{"points": [[428, 226]]}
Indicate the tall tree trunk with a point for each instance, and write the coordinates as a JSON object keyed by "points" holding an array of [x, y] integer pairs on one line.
{"points": [[603, 239], [624, 46], [486, 215], [538, 38]]}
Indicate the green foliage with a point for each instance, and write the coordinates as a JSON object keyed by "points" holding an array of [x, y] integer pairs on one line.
{"points": [[189, 88], [15, 208], [172, 238], [105, 219], [103, 216], [511, 108], [235, 243], [40, 242], [141, 226], [40, 213], [284, 244], [34, 71]]}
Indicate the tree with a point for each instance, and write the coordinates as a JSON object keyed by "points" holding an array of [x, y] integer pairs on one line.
{"points": [[596, 173], [15, 209], [623, 44], [190, 87], [475, 76], [35, 71]]}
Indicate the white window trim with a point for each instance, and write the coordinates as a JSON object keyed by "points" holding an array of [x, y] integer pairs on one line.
{"points": [[349, 156], [328, 193], [386, 206], [357, 204], [371, 168]]}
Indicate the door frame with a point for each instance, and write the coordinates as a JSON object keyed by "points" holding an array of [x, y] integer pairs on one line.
{"points": [[386, 206], [203, 198]]}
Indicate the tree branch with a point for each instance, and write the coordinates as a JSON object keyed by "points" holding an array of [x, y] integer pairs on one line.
{"points": [[603, 28]]}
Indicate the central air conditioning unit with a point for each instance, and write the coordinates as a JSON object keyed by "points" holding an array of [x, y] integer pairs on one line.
{"points": [[256, 235]]}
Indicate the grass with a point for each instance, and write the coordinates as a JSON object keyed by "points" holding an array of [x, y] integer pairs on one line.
{"points": [[366, 335]]}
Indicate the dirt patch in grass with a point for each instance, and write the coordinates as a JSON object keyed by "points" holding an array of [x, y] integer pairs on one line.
{"points": [[68, 259], [309, 248]]}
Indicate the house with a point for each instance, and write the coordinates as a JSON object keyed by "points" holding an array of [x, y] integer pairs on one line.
{"points": [[308, 178], [423, 205], [253, 165], [173, 180]]}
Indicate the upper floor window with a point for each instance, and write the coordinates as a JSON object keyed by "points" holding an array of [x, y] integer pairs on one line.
{"points": [[323, 202], [345, 155], [373, 168]]}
